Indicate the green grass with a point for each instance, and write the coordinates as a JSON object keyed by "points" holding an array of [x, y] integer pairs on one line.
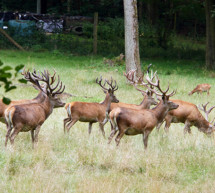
{"points": [[79, 163]]}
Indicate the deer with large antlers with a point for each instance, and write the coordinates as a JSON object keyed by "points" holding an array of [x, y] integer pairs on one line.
{"points": [[92, 112], [133, 122], [39, 98], [188, 114], [147, 101], [30, 117]]}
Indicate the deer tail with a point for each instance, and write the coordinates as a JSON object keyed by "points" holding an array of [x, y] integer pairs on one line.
{"points": [[9, 116], [113, 120], [68, 108]]}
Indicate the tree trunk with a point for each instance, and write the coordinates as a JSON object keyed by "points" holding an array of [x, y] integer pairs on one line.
{"points": [[68, 6], [210, 35], [38, 6], [95, 25], [132, 56]]}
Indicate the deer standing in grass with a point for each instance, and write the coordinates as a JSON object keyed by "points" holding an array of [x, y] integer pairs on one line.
{"points": [[133, 122], [201, 88], [39, 98], [188, 114], [30, 117], [91, 112]]}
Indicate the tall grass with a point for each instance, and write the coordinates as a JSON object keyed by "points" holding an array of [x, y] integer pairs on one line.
{"points": [[79, 163]]}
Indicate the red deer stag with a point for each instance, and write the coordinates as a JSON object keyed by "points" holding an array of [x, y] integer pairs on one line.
{"points": [[30, 117], [147, 101], [91, 112], [201, 88], [39, 98], [133, 122], [188, 114]]}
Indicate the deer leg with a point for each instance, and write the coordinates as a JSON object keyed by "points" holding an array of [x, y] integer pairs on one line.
{"points": [[101, 126], [113, 131], [9, 129], [208, 92], [37, 130], [145, 138], [69, 125], [167, 125], [120, 135], [65, 121], [187, 127], [14, 134], [32, 137], [159, 125], [90, 127]]}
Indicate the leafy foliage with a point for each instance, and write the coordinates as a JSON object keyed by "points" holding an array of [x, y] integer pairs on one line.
{"points": [[5, 78]]}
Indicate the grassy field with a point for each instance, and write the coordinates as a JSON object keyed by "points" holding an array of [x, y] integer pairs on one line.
{"points": [[79, 163]]}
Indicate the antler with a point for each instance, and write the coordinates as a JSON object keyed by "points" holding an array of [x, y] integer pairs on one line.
{"points": [[130, 77], [45, 77], [100, 83], [113, 87], [207, 112], [110, 83], [29, 77], [157, 85]]}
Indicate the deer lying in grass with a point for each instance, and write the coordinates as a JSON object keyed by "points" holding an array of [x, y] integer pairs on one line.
{"points": [[30, 117], [133, 122], [201, 88], [188, 114], [147, 101], [91, 112], [39, 98]]}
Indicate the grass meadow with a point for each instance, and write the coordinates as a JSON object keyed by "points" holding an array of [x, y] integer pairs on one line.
{"points": [[79, 163]]}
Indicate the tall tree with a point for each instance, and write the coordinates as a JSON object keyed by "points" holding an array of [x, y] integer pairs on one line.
{"points": [[210, 34], [132, 56]]}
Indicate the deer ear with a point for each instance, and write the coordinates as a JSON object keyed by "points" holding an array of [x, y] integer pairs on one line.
{"points": [[105, 91]]}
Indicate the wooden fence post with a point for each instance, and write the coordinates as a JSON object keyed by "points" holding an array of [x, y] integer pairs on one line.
{"points": [[95, 26], [11, 39]]}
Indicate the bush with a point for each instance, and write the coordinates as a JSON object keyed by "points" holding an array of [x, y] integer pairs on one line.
{"points": [[110, 41]]}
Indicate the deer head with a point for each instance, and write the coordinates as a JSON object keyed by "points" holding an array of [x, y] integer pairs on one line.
{"points": [[211, 127], [109, 91], [165, 97], [48, 90]]}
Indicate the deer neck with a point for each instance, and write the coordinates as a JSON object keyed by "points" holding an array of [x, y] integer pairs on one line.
{"points": [[106, 103], [160, 111], [202, 123], [144, 104], [40, 97], [47, 106]]}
